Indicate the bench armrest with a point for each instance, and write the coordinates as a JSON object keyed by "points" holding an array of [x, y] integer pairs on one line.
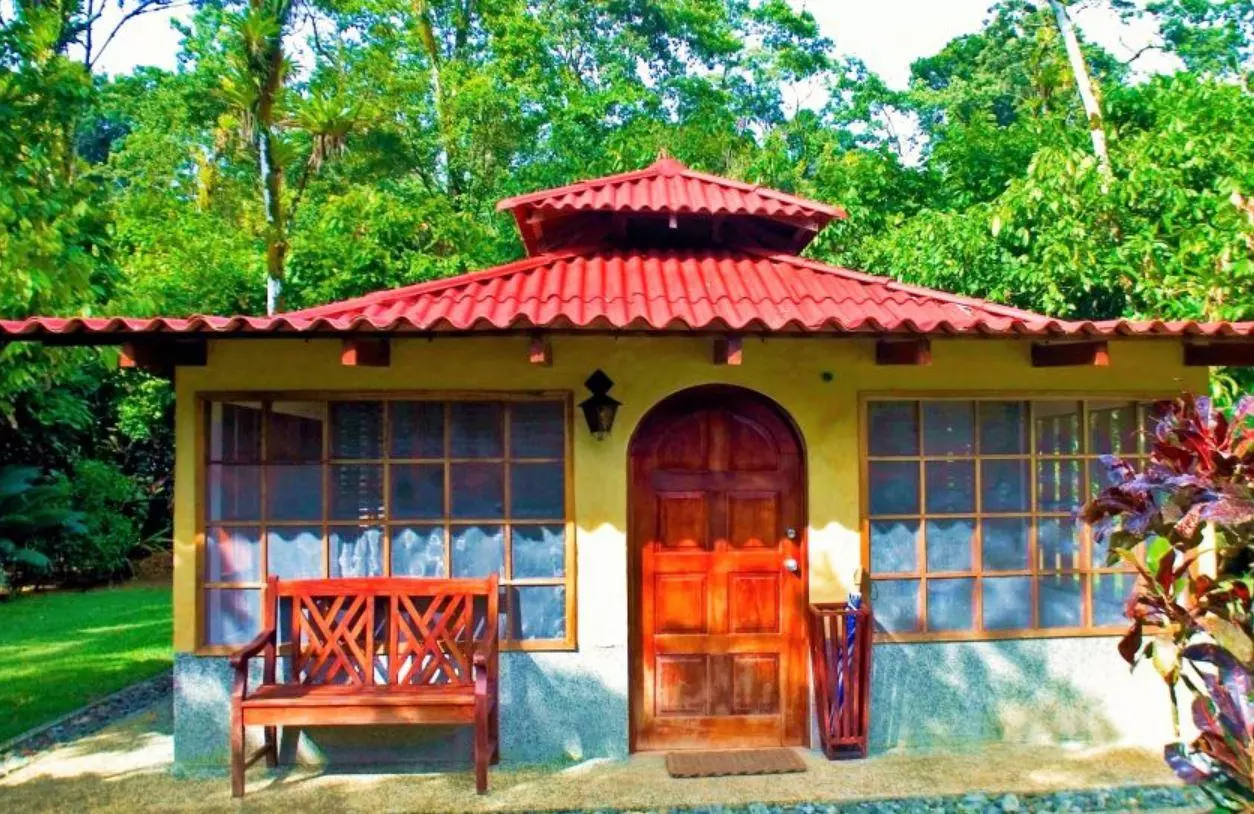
{"points": [[486, 654], [485, 669], [240, 657], [264, 642]]}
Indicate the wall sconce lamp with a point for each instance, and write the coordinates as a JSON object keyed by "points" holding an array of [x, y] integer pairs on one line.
{"points": [[599, 410]]}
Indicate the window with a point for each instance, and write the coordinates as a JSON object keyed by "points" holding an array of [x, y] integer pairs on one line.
{"points": [[970, 520], [311, 489]]}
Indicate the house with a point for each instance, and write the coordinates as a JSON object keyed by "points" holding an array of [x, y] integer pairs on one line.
{"points": [[762, 432]]}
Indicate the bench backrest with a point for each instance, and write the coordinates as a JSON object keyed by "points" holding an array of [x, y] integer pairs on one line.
{"points": [[396, 631]]}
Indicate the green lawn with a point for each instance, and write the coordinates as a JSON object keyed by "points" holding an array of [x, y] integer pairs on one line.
{"points": [[59, 651]]}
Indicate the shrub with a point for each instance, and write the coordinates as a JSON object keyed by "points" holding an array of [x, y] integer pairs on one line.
{"points": [[1186, 522], [34, 513], [111, 506]]}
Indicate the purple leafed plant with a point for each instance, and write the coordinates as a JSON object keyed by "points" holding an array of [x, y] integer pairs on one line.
{"points": [[1186, 523]]}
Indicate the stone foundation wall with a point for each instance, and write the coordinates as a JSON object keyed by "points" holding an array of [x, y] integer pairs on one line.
{"points": [[952, 694], [566, 707]]}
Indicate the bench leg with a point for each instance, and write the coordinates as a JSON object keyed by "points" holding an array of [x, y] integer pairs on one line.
{"points": [[237, 752], [482, 748], [272, 747], [494, 731]]}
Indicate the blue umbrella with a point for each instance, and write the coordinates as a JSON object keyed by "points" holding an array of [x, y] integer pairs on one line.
{"points": [[851, 635]]}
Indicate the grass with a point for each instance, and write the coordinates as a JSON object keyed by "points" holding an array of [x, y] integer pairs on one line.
{"points": [[61, 650]]}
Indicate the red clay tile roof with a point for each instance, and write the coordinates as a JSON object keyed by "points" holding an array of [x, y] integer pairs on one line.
{"points": [[652, 290], [667, 187]]}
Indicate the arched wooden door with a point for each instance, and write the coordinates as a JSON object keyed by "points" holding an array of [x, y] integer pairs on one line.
{"points": [[718, 567]]}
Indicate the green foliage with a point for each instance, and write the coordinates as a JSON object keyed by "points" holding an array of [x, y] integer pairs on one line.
{"points": [[1009, 204], [34, 512], [371, 237], [51, 211], [1211, 36], [143, 408], [110, 504], [111, 431]]}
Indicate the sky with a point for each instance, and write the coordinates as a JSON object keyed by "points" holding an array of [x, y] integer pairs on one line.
{"points": [[890, 34], [886, 34]]}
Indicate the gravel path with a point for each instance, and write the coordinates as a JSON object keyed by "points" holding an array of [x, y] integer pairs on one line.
{"points": [[17, 752], [1137, 798]]}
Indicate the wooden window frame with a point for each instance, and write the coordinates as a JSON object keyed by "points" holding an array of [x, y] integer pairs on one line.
{"points": [[1084, 567], [205, 399]]}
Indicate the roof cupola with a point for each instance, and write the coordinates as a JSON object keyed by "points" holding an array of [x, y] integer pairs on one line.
{"points": [[666, 205]]}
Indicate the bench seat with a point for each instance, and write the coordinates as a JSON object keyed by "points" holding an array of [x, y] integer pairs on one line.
{"points": [[285, 695]]}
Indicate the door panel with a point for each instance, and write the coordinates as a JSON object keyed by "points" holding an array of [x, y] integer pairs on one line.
{"points": [[755, 684], [682, 685], [750, 448], [753, 603], [680, 601], [683, 520], [753, 519], [685, 445], [718, 626]]}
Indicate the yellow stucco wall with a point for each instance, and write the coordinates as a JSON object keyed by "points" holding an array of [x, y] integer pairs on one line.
{"points": [[646, 369]]}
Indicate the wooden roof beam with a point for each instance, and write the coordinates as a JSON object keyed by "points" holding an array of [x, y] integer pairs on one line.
{"points": [[1221, 353], [729, 350], [1095, 353], [541, 350], [161, 358], [904, 352], [366, 352]]}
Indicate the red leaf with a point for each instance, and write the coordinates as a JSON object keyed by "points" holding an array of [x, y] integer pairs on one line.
{"points": [[1130, 644], [1166, 570]]}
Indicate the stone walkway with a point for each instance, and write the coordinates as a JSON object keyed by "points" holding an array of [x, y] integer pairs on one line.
{"points": [[126, 767]]}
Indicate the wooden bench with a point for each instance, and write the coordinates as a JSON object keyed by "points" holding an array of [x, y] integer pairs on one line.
{"points": [[372, 651]]}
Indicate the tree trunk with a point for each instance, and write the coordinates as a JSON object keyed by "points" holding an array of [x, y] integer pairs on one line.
{"points": [[1092, 108], [444, 124], [276, 226], [270, 84]]}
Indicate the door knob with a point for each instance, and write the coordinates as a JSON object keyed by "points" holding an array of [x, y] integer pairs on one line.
{"points": [[792, 566]]}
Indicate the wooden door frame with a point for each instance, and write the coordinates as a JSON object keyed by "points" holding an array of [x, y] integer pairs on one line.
{"points": [[634, 587]]}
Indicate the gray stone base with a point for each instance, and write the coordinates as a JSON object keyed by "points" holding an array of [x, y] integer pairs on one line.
{"points": [[1046, 691], [567, 707]]}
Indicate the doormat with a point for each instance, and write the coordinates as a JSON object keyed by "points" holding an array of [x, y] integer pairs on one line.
{"points": [[733, 762]]}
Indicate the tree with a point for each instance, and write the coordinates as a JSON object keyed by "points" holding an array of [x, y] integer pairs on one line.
{"points": [[257, 87], [89, 18], [51, 224], [1084, 84], [1010, 203], [1211, 36], [54, 214]]}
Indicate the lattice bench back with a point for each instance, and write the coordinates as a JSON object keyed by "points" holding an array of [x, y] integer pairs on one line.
{"points": [[394, 631]]}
